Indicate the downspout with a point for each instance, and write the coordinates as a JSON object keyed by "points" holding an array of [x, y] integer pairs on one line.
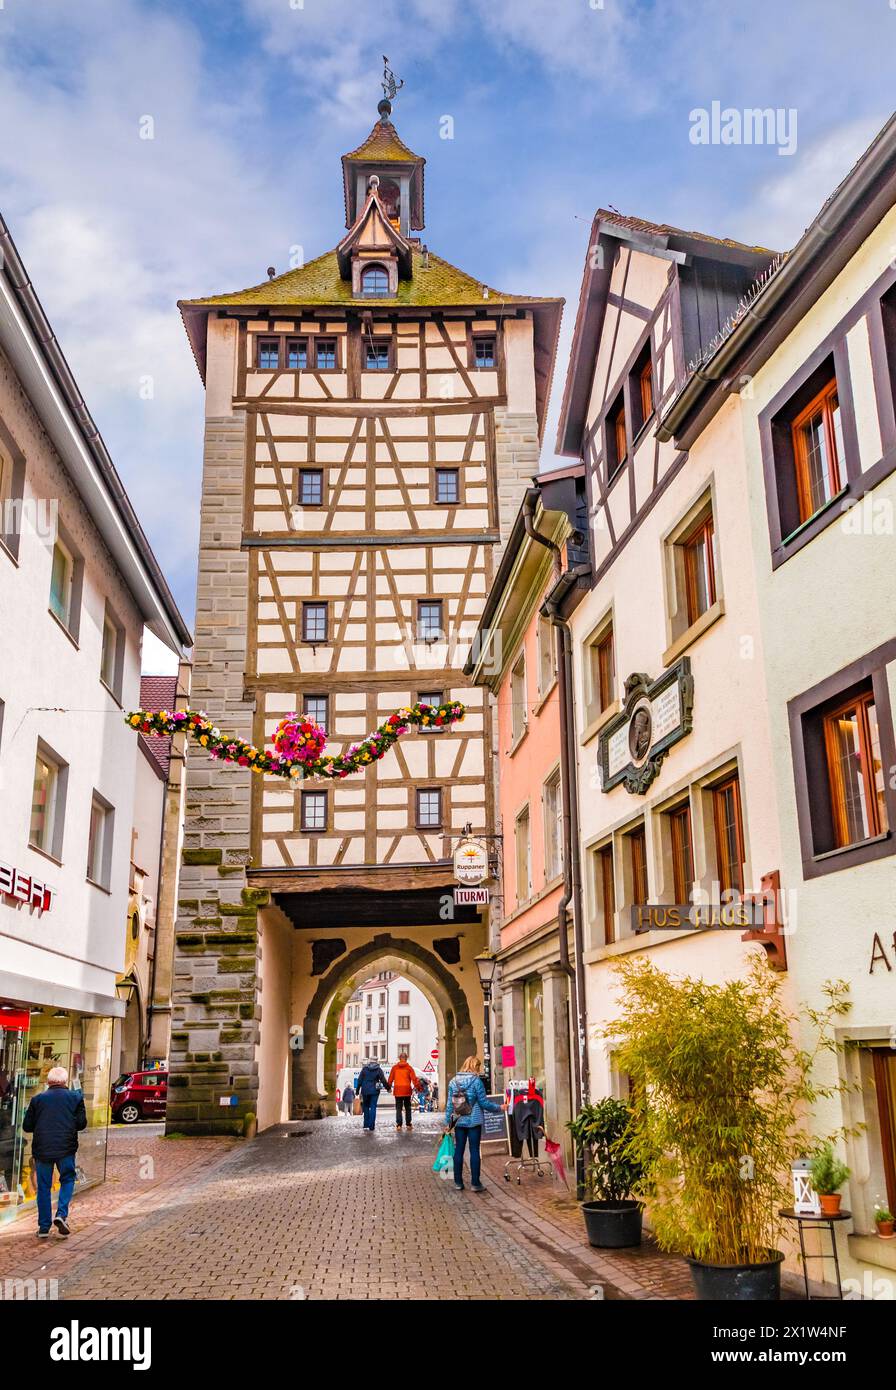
{"points": [[569, 803]]}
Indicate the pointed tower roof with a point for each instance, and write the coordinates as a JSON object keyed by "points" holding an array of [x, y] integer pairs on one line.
{"points": [[381, 151]]}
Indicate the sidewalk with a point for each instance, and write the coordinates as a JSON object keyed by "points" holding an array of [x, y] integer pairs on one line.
{"points": [[551, 1212], [143, 1171]]}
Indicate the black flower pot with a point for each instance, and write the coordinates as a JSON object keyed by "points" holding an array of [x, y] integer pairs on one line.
{"points": [[753, 1283], [612, 1225]]}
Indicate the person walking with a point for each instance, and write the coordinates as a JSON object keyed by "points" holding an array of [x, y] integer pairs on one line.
{"points": [[370, 1083], [348, 1098], [402, 1083], [465, 1103], [54, 1119]]}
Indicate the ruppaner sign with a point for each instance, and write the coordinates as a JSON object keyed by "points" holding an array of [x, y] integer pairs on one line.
{"points": [[654, 716]]}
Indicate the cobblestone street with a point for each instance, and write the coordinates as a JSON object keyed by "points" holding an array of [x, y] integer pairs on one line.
{"points": [[312, 1210]]}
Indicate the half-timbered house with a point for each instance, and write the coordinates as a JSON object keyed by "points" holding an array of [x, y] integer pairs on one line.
{"points": [[372, 419]]}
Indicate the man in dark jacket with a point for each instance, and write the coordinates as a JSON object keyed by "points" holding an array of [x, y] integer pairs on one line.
{"points": [[369, 1083], [54, 1118]]}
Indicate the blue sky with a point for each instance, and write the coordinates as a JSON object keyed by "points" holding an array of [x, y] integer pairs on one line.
{"points": [[559, 106]]}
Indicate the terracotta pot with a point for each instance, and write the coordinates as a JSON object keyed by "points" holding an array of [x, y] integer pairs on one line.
{"points": [[830, 1203], [885, 1230]]}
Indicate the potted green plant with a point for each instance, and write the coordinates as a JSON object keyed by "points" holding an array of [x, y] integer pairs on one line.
{"points": [[601, 1132], [722, 1089], [828, 1175], [883, 1220]]}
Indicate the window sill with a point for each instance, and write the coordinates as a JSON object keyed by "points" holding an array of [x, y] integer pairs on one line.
{"points": [[109, 691], [830, 854], [8, 552], [511, 752], [62, 628], [822, 511], [697, 629], [643, 430], [544, 696], [597, 723], [873, 1250], [101, 886], [45, 854]]}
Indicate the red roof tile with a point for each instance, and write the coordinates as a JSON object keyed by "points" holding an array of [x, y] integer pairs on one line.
{"points": [[158, 692]]}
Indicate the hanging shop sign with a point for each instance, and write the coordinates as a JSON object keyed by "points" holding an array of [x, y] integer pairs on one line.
{"points": [[471, 862], [22, 888], [471, 897], [654, 716]]}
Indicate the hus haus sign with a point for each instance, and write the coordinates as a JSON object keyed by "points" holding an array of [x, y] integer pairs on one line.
{"points": [[654, 716]]}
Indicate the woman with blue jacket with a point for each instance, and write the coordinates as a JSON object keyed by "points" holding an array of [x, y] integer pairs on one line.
{"points": [[467, 1099]]}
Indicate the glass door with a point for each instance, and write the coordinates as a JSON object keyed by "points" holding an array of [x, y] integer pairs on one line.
{"points": [[14, 1025]]}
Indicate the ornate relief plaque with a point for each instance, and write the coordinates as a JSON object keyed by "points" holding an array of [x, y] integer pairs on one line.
{"points": [[655, 715]]}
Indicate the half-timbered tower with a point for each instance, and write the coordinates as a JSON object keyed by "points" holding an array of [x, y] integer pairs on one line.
{"points": [[372, 419]]}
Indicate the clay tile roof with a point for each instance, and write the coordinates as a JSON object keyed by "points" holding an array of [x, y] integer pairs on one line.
{"points": [[640, 224], [158, 692], [384, 143]]}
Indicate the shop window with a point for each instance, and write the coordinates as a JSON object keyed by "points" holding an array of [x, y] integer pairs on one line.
{"points": [[533, 1008], [615, 437], [641, 394], [48, 802], [314, 810], [729, 835], [519, 712], [553, 826], [99, 841], [523, 852]]}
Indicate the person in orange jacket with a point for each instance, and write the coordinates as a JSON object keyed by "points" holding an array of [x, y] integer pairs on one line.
{"points": [[402, 1084]]}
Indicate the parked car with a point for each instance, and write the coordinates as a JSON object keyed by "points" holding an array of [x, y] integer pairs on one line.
{"points": [[140, 1095]]}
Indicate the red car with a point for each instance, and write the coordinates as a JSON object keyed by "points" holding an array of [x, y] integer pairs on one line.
{"points": [[140, 1095]]}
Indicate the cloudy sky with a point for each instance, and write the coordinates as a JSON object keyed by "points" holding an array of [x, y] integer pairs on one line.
{"points": [[558, 107]]}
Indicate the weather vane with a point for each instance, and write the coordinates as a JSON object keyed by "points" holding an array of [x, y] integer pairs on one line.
{"points": [[390, 86]]}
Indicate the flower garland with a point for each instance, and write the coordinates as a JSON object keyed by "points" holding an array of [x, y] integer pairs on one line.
{"points": [[298, 743]]}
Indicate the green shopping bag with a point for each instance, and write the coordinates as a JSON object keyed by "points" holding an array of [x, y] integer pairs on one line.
{"points": [[444, 1159]]}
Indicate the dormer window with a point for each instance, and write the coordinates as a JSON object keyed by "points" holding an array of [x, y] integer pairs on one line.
{"points": [[375, 282]]}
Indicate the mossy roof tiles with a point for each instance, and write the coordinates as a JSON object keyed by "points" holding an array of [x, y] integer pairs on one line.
{"points": [[384, 143]]}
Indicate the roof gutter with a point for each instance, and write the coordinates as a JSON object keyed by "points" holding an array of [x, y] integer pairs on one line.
{"points": [[50, 384], [784, 282]]}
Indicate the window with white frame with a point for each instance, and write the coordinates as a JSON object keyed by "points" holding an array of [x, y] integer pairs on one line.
{"points": [[99, 841], [314, 810], [48, 803], [553, 826], [519, 714], [547, 655]]}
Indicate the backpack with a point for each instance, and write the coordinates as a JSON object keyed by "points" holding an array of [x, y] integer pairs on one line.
{"points": [[461, 1106]]}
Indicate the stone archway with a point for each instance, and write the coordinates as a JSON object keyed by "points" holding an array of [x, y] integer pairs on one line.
{"points": [[445, 995]]}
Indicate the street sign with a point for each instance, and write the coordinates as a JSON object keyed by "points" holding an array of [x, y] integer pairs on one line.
{"points": [[434, 1053], [429, 1067], [471, 897], [471, 862]]}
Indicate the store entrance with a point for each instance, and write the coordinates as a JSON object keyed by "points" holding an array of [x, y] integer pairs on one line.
{"points": [[13, 1060]]}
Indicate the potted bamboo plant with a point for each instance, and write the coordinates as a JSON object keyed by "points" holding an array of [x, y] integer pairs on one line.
{"points": [[601, 1132], [828, 1176], [722, 1091]]}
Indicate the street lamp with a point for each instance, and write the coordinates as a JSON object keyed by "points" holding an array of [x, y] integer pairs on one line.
{"points": [[487, 964]]}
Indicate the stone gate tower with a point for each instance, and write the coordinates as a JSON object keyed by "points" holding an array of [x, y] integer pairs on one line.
{"points": [[372, 419]]}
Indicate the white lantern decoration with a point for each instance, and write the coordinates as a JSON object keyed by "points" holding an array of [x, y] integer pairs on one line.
{"points": [[805, 1198]]}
